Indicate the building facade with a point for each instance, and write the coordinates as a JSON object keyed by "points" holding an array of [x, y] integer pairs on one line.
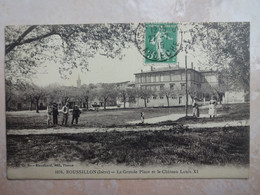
{"points": [[168, 85]]}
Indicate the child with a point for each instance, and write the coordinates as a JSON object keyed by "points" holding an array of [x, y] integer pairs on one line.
{"points": [[142, 117]]}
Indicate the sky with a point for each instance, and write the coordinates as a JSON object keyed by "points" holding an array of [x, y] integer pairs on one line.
{"points": [[104, 70], [101, 70], [107, 70]]}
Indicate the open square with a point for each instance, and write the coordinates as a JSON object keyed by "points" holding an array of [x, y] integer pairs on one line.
{"points": [[82, 101]]}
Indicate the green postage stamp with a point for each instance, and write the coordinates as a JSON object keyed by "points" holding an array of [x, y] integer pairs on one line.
{"points": [[161, 42]]}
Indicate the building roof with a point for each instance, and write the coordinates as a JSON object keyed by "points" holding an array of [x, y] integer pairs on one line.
{"points": [[209, 71], [165, 70], [123, 82], [170, 69]]}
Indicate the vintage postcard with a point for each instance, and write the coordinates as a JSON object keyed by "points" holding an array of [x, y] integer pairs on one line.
{"points": [[127, 100]]}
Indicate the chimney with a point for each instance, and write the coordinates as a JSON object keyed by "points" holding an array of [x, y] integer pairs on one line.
{"points": [[142, 70], [191, 65], [178, 65], [151, 68]]}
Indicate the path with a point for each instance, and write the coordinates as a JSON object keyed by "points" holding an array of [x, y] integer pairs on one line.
{"points": [[171, 117], [121, 129], [219, 124]]}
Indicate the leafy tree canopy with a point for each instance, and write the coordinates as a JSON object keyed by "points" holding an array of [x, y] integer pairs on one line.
{"points": [[70, 45], [226, 46]]}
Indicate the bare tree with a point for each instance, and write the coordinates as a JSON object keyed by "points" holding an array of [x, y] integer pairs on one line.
{"points": [[144, 94], [34, 94], [195, 91], [107, 92], [88, 93], [123, 95], [9, 93], [168, 93], [38, 93], [29, 94]]}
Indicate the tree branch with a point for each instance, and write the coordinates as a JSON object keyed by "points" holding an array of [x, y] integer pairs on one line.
{"points": [[10, 47], [19, 41]]}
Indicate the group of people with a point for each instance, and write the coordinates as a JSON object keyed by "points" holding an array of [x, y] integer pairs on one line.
{"points": [[53, 112], [212, 108], [196, 111]]}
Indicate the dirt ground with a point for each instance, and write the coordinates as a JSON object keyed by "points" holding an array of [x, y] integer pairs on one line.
{"points": [[177, 145]]}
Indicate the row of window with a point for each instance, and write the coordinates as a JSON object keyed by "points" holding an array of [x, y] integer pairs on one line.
{"points": [[173, 97], [159, 78], [146, 78], [162, 87], [162, 97]]}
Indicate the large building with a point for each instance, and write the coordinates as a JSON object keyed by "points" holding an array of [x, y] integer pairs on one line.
{"points": [[171, 82]]}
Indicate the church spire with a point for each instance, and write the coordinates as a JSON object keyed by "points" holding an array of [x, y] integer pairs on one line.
{"points": [[78, 82]]}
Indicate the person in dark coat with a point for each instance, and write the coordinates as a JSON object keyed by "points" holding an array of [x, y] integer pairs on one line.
{"points": [[195, 106], [55, 113], [65, 111], [75, 114]]}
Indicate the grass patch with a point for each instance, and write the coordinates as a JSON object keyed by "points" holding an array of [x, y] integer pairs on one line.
{"points": [[120, 117], [178, 145]]}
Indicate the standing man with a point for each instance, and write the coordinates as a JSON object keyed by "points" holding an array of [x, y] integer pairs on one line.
{"points": [[75, 114], [65, 111], [55, 113], [49, 115]]}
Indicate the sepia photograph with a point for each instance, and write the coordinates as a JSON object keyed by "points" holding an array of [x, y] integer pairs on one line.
{"points": [[128, 100]]}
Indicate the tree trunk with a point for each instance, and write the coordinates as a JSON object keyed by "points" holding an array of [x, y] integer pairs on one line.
{"points": [[145, 102], [105, 102], [10, 47], [31, 102], [124, 102], [168, 102], [86, 103], [6, 103], [37, 106]]}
